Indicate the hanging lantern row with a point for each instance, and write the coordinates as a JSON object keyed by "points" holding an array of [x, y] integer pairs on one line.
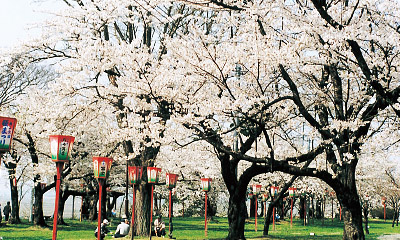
{"points": [[7, 126], [101, 167], [206, 184], [61, 147]]}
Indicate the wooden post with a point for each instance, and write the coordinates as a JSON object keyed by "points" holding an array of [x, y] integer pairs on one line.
{"points": [[205, 214], [255, 214], [291, 213], [59, 166], [133, 212], [151, 208], [99, 213]]}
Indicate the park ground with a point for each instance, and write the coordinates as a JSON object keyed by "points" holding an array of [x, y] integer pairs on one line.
{"points": [[193, 228]]}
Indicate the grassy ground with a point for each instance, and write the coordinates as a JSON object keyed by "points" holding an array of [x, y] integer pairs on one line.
{"points": [[193, 228]]}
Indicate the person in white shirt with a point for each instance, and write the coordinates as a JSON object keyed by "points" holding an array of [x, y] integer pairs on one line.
{"points": [[159, 227], [122, 229]]}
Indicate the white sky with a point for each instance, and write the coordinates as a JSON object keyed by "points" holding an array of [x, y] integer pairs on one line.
{"points": [[17, 18]]}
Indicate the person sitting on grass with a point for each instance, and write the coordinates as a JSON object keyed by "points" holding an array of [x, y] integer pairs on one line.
{"points": [[159, 227], [122, 229], [103, 229]]}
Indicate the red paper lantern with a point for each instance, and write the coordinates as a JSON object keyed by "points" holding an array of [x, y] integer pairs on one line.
{"points": [[153, 174], [101, 167], [7, 126], [256, 188], [171, 180], [274, 191], [135, 174], [292, 191], [61, 147], [206, 184]]}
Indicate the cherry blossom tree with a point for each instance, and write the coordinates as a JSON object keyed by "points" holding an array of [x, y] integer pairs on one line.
{"points": [[325, 67], [265, 74]]}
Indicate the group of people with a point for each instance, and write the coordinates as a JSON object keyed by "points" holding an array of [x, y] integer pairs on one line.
{"points": [[6, 211], [121, 231], [123, 228]]}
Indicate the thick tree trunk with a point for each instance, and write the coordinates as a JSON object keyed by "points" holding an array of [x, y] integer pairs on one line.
{"points": [[236, 215], [351, 209], [302, 207], [61, 206], [318, 209], [37, 208], [395, 214], [14, 218], [93, 207], [252, 207], [142, 210], [365, 210]]}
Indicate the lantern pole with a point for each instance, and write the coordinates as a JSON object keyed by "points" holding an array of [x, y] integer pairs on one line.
{"points": [[133, 211], [100, 180], [291, 212], [273, 215], [332, 209], [255, 214], [171, 228], [151, 207], [205, 214], [59, 166], [384, 209]]}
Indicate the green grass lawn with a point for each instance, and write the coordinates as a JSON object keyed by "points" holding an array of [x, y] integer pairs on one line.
{"points": [[193, 228]]}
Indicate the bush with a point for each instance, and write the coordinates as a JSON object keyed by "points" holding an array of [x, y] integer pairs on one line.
{"points": [[379, 213]]}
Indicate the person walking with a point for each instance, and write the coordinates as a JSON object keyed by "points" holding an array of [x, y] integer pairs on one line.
{"points": [[6, 211]]}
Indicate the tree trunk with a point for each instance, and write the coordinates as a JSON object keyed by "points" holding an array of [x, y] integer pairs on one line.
{"points": [[14, 218], [252, 207], [61, 206], [11, 166], [395, 213], [236, 215], [351, 208], [365, 210], [318, 209], [37, 208], [267, 221], [93, 207], [302, 207], [142, 210]]}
